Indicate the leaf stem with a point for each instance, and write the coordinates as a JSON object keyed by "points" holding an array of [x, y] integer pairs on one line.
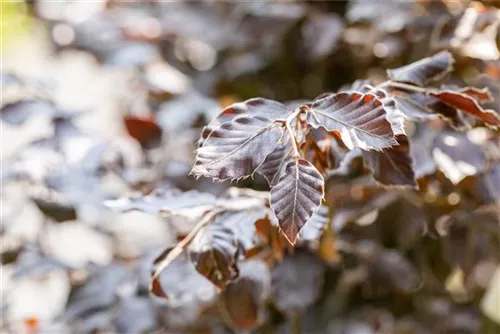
{"points": [[294, 142], [403, 86], [179, 248], [293, 116]]}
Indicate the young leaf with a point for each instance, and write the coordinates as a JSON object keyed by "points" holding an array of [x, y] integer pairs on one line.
{"points": [[425, 70], [216, 248], [296, 196], [469, 105], [276, 161], [360, 119], [393, 165], [214, 251], [253, 107], [237, 148]]}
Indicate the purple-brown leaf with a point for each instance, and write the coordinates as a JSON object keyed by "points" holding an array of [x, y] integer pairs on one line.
{"points": [[360, 119], [276, 161], [393, 165], [296, 196], [425, 70], [237, 148], [252, 107]]}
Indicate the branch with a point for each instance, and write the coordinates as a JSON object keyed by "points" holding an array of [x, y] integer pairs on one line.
{"points": [[179, 248]]}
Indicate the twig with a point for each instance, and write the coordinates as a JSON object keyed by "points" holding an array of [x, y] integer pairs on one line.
{"points": [[402, 86], [288, 121], [179, 248]]}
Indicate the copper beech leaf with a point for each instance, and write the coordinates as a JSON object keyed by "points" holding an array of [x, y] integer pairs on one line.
{"points": [[252, 107], [217, 247], [457, 156], [419, 107], [425, 70], [181, 283], [242, 301], [237, 148], [469, 105], [296, 196], [393, 165], [360, 119], [276, 161]]}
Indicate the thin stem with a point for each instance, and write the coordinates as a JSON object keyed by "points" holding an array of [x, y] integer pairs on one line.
{"points": [[294, 142], [179, 248], [402, 86], [292, 117]]}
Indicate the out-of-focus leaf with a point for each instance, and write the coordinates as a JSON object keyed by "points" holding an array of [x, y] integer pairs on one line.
{"points": [[489, 302], [76, 244], [321, 33], [481, 95], [297, 282], [457, 156], [182, 285], [17, 113], [168, 201], [296, 196], [55, 210], [185, 111], [144, 130], [237, 148], [312, 231], [268, 231], [425, 70], [355, 211], [40, 294], [388, 268], [421, 151], [419, 107], [360, 119], [215, 248], [487, 184], [392, 166], [130, 54], [468, 105], [272, 167], [242, 301], [98, 292], [136, 315]]}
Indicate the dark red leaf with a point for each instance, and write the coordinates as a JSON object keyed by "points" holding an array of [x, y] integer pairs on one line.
{"points": [[468, 105], [144, 129]]}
